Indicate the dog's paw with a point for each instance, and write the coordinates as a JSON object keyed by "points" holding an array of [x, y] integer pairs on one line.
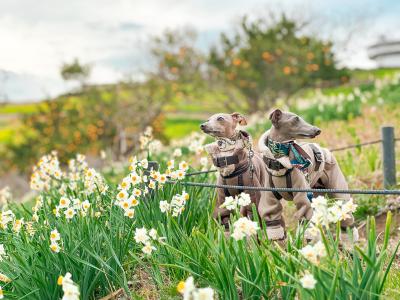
{"points": [[276, 233]]}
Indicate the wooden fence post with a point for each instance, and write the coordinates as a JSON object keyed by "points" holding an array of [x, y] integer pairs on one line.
{"points": [[389, 158]]}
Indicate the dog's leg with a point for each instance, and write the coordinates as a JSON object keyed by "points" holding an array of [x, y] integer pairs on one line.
{"points": [[270, 210], [221, 213], [303, 205]]}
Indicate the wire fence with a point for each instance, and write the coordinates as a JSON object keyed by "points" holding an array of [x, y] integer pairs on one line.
{"points": [[293, 190], [286, 190], [374, 142]]}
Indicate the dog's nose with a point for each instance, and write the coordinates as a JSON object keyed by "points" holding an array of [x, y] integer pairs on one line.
{"points": [[202, 126], [317, 131]]}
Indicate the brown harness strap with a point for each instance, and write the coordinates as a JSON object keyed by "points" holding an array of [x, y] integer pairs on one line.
{"points": [[289, 182], [224, 161], [226, 191], [273, 223], [273, 164], [317, 155], [237, 173], [271, 183]]}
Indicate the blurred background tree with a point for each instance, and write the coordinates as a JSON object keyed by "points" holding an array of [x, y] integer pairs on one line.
{"points": [[266, 61], [75, 71]]}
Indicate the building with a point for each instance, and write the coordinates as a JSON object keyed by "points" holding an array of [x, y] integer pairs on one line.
{"points": [[386, 53]]}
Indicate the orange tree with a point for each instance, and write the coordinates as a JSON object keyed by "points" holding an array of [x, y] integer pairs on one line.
{"points": [[266, 61], [97, 118], [69, 124]]}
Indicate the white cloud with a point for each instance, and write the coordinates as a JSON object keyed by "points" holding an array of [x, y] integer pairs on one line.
{"points": [[37, 37]]}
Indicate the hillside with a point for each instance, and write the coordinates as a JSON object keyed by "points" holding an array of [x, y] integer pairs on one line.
{"points": [[183, 117]]}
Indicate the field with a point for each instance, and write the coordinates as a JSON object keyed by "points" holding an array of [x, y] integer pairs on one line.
{"points": [[122, 231]]}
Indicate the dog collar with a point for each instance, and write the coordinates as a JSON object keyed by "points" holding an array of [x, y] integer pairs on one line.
{"points": [[278, 149]]}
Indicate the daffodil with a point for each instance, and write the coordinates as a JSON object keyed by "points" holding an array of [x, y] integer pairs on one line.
{"points": [[54, 235], [69, 213], [164, 206], [308, 281], [153, 233], [85, 205], [171, 164], [64, 202], [244, 227], [183, 165], [122, 195], [55, 247], [148, 249], [177, 152], [141, 235], [135, 178], [152, 185], [137, 192], [70, 289], [133, 201], [4, 278], [130, 213]]}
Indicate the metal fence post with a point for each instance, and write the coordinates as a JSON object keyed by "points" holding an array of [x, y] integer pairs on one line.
{"points": [[389, 160]]}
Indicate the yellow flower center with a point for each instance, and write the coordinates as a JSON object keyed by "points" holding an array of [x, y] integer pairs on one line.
{"points": [[181, 287], [60, 280]]}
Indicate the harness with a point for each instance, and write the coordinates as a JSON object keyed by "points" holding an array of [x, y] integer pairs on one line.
{"points": [[237, 173], [301, 161], [224, 161]]}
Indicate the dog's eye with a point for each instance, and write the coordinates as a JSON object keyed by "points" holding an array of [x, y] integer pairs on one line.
{"points": [[220, 118], [296, 119]]}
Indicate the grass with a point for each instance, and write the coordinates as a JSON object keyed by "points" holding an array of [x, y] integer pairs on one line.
{"points": [[103, 253], [176, 127], [6, 135], [20, 109], [99, 249]]}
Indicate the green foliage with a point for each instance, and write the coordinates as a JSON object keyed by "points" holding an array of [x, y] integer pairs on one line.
{"points": [[100, 252], [180, 127], [75, 71], [68, 125]]}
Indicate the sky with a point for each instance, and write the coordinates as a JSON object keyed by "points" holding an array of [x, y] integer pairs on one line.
{"points": [[37, 37]]}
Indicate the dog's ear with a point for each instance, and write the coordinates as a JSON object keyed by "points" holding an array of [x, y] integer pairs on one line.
{"points": [[275, 116], [239, 118]]}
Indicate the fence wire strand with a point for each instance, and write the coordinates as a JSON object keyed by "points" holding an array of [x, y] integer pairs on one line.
{"points": [[283, 190], [332, 150]]}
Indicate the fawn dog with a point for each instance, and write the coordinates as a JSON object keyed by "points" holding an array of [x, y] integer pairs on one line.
{"points": [[235, 160], [290, 164]]}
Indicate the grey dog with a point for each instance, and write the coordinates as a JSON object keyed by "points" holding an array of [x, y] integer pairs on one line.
{"points": [[290, 164], [235, 160]]}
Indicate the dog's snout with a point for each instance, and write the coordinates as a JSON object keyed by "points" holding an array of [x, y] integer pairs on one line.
{"points": [[202, 126], [317, 131]]}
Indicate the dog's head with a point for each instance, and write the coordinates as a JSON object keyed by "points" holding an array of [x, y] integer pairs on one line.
{"points": [[291, 126], [223, 125]]}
